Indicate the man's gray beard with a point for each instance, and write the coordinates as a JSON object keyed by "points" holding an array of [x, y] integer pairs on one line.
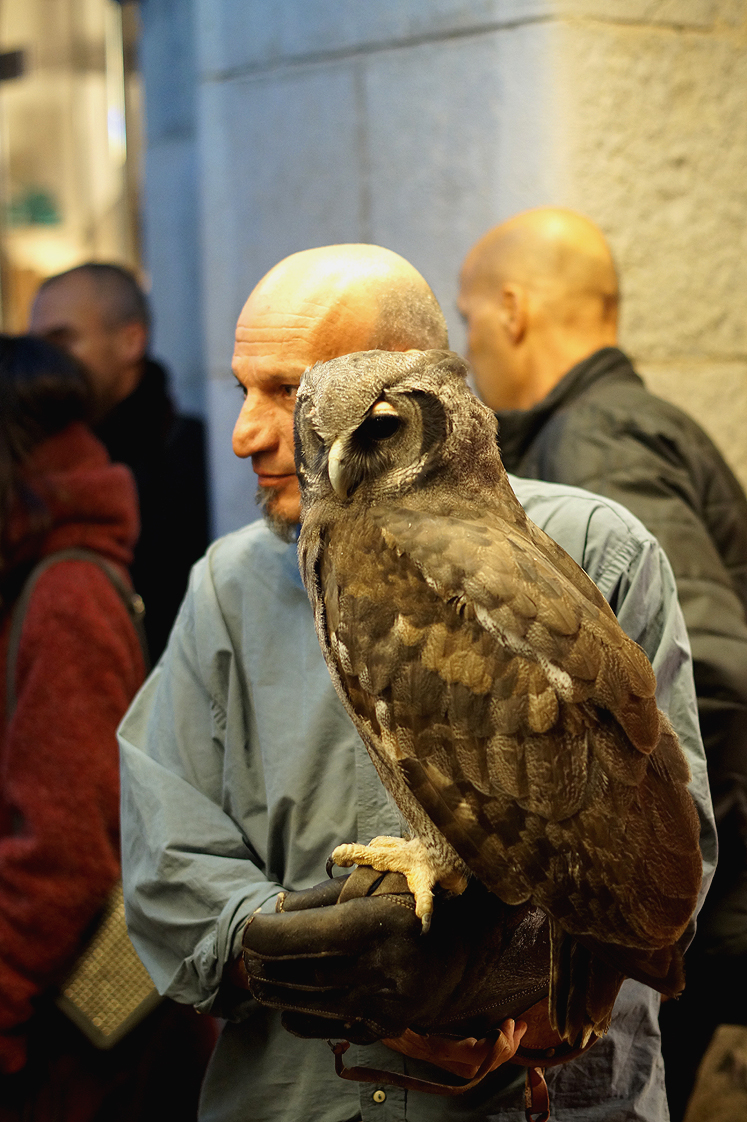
{"points": [[284, 528]]}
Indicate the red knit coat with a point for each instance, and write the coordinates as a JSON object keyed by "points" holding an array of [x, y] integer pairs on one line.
{"points": [[79, 665]]}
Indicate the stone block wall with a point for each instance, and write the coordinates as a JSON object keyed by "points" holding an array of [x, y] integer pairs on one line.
{"points": [[413, 125], [655, 141], [418, 124]]}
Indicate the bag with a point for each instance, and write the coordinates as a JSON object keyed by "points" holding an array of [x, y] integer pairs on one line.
{"points": [[108, 991]]}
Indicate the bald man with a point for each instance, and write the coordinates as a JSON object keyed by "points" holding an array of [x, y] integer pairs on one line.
{"points": [[540, 297], [539, 294], [241, 771]]}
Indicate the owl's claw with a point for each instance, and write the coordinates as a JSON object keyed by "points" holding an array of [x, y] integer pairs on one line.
{"points": [[409, 857]]}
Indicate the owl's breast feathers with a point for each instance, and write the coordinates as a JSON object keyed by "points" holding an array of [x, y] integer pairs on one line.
{"points": [[521, 716]]}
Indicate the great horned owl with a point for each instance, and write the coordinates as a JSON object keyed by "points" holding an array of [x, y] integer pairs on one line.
{"points": [[507, 713]]}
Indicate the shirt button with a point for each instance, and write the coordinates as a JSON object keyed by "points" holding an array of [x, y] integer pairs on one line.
{"points": [[379, 1096]]}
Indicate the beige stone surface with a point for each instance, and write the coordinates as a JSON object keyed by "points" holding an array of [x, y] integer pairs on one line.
{"points": [[654, 126], [715, 395], [675, 13], [720, 1092]]}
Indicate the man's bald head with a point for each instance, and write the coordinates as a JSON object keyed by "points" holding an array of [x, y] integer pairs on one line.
{"points": [[313, 306], [352, 297], [555, 251], [550, 280]]}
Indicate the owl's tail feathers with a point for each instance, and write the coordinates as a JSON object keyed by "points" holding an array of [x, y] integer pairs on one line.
{"points": [[583, 988], [586, 977]]}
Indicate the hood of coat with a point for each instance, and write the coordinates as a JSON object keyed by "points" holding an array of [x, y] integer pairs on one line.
{"points": [[74, 497]]}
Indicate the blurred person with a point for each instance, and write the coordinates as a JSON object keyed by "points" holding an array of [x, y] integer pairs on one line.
{"points": [[540, 297], [77, 665], [99, 314]]}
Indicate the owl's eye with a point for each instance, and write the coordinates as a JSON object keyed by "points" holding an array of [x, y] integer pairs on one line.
{"points": [[380, 428]]}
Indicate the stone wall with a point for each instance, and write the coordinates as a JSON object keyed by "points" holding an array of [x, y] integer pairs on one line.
{"points": [[411, 125], [418, 124], [655, 139], [171, 188]]}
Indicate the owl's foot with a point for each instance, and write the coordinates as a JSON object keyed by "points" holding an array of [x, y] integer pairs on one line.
{"points": [[409, 857]]}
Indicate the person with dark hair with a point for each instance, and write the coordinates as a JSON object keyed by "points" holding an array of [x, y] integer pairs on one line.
{"points": [[41, 392], [99, 314], [74, 668]]}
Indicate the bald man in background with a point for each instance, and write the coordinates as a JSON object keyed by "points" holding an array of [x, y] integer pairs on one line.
{"points": [[539, 294], [241, 770], [99, 314]]}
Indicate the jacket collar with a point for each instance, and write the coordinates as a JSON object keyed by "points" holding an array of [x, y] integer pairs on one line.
{"points": [[518, 428], [146, 415]]}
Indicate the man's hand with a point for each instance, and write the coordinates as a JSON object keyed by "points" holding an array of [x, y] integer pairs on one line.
{"points": [[348, 959]]}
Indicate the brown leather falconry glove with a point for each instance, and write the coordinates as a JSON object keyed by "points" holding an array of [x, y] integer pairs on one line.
{"points": [[348, 959]]}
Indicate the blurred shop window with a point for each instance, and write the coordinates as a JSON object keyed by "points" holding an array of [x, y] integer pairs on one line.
{"points": [[70, 142]]}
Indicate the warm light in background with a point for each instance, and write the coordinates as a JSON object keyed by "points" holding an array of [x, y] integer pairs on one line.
{"points": [[70, 142]]}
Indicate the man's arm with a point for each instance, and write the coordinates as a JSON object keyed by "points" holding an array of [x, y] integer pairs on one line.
{"points": [[191, 877]]}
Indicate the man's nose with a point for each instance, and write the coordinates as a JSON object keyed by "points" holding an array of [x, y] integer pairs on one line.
{"points": [[255, 430]]}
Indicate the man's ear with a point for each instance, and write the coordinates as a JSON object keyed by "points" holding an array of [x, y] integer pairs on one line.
{"points": [[514, 311], [132, 342]]}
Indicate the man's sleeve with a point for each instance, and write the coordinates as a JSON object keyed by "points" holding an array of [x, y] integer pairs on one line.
{"points": [[655, 484], [639, 584], [191, 877]]}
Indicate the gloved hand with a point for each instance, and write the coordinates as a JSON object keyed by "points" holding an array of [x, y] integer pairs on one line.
{"points": [[348, 958]]}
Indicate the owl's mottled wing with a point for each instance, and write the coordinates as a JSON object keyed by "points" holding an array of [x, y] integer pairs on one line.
{"points": [[518, 713]]}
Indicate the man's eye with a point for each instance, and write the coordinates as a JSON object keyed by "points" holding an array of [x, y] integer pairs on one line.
{"points": [[289, 391], [241, 387], [60, 336]]}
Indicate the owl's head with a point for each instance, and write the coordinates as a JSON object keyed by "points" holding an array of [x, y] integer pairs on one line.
{"points": [[377, 424]]}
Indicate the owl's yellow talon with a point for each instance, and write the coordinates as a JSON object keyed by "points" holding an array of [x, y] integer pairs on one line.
{"points": [[406, 856]]}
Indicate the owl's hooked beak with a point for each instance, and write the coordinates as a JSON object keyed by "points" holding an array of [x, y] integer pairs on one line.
{"points": [[336, 470]]}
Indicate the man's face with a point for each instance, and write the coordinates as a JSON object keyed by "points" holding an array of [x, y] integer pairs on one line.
{"points": [[68, 315], [272, 351], [488, 347]]}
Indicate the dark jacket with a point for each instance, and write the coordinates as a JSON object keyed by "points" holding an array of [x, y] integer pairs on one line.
{"points": [[166, 453], [601, 429]]}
